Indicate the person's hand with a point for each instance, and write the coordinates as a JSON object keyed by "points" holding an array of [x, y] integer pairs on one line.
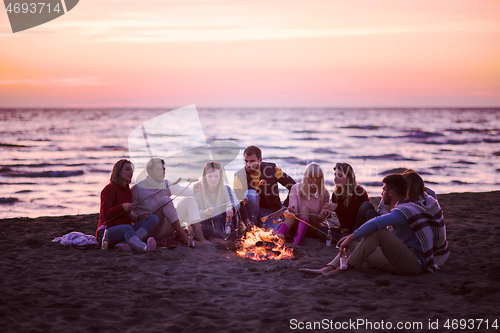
{"points": [[209, 211], [128, 206], [292, 210], [142, 216], [229, 213], [345, 243], [325, 213], [198, 187], [330, 206]]}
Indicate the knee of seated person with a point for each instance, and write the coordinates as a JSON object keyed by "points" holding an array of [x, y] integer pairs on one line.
{"points": [[153, 219], [190, 201], [366, 206], [382, 231]]}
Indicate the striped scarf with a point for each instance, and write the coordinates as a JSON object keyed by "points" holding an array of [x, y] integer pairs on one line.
{"points": [[427, 222]]}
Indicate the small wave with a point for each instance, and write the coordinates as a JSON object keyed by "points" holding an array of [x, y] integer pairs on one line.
{"points": [[393, 157], [8, 200], [306, 132], [453, 142], [44, 174], [43, 165], [367, 127], [464, 162], [55, 206], [115, 148], [421, 135], [458, 182], [323, 151], [264, 147], [226, 139], [306, 139], [5, 169], [12, 145], [472, 130], [98, 171], [106, 148], [491, 141], [497, 153], [24, 191]]}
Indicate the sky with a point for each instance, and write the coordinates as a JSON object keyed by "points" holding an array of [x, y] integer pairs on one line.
{"points": [[274, 53]]}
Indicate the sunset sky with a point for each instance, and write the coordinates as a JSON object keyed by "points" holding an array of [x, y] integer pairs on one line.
{"points": [[274, 53]]}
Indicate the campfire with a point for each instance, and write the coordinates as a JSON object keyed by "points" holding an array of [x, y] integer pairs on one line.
{"points": [[258, 244]]}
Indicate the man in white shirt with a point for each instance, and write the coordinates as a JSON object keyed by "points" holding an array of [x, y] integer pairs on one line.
{"points": [[152, 196]]}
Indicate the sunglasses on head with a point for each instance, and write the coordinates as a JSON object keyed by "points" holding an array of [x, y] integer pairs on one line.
{"points": [[311, 178], [213, 164]]}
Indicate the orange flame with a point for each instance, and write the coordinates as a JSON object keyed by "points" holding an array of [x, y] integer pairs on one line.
{"points": [[259, 244]]}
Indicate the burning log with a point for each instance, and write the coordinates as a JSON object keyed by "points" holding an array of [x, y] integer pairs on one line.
{"points": [[259, 244]]}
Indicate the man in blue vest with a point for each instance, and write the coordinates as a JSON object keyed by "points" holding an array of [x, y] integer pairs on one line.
{"points": [[257, 185]]}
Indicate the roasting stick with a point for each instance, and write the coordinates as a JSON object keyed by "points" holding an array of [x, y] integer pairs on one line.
{"points": [[310, 225], [170, 184], [174, 183], [190, 181], [326, 219]]}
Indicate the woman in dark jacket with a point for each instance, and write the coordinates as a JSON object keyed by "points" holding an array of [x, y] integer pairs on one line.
{"points": [[350, 201]]}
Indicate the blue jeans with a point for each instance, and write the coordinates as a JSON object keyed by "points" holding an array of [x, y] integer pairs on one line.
{"points": [[253, 212], [123, 232]]}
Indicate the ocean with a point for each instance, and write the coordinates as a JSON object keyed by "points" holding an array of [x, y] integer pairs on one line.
{"points": [[56, 161]]}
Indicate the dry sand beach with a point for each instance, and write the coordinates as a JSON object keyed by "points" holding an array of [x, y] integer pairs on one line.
{"points": [[49, 287]]}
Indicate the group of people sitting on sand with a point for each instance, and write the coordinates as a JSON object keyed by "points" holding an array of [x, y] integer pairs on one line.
{"points": [[406, 235]]}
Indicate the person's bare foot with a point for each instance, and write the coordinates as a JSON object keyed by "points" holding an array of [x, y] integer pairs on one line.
{"points": [[311, 271], [323, 270], [333, 272], [202, 241]]}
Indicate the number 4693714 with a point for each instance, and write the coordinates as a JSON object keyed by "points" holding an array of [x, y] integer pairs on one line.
{"points": [[31, 8], [473, 324]]}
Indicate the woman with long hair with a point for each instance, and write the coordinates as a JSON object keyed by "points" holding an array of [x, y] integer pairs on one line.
{"points": [[116, 204], [416, 186], [307, 201], [217, 203], [417, 191], [350, 201]]}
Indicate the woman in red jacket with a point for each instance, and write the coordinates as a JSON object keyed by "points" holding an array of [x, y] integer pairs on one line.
{"points": [[116, 204]]}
